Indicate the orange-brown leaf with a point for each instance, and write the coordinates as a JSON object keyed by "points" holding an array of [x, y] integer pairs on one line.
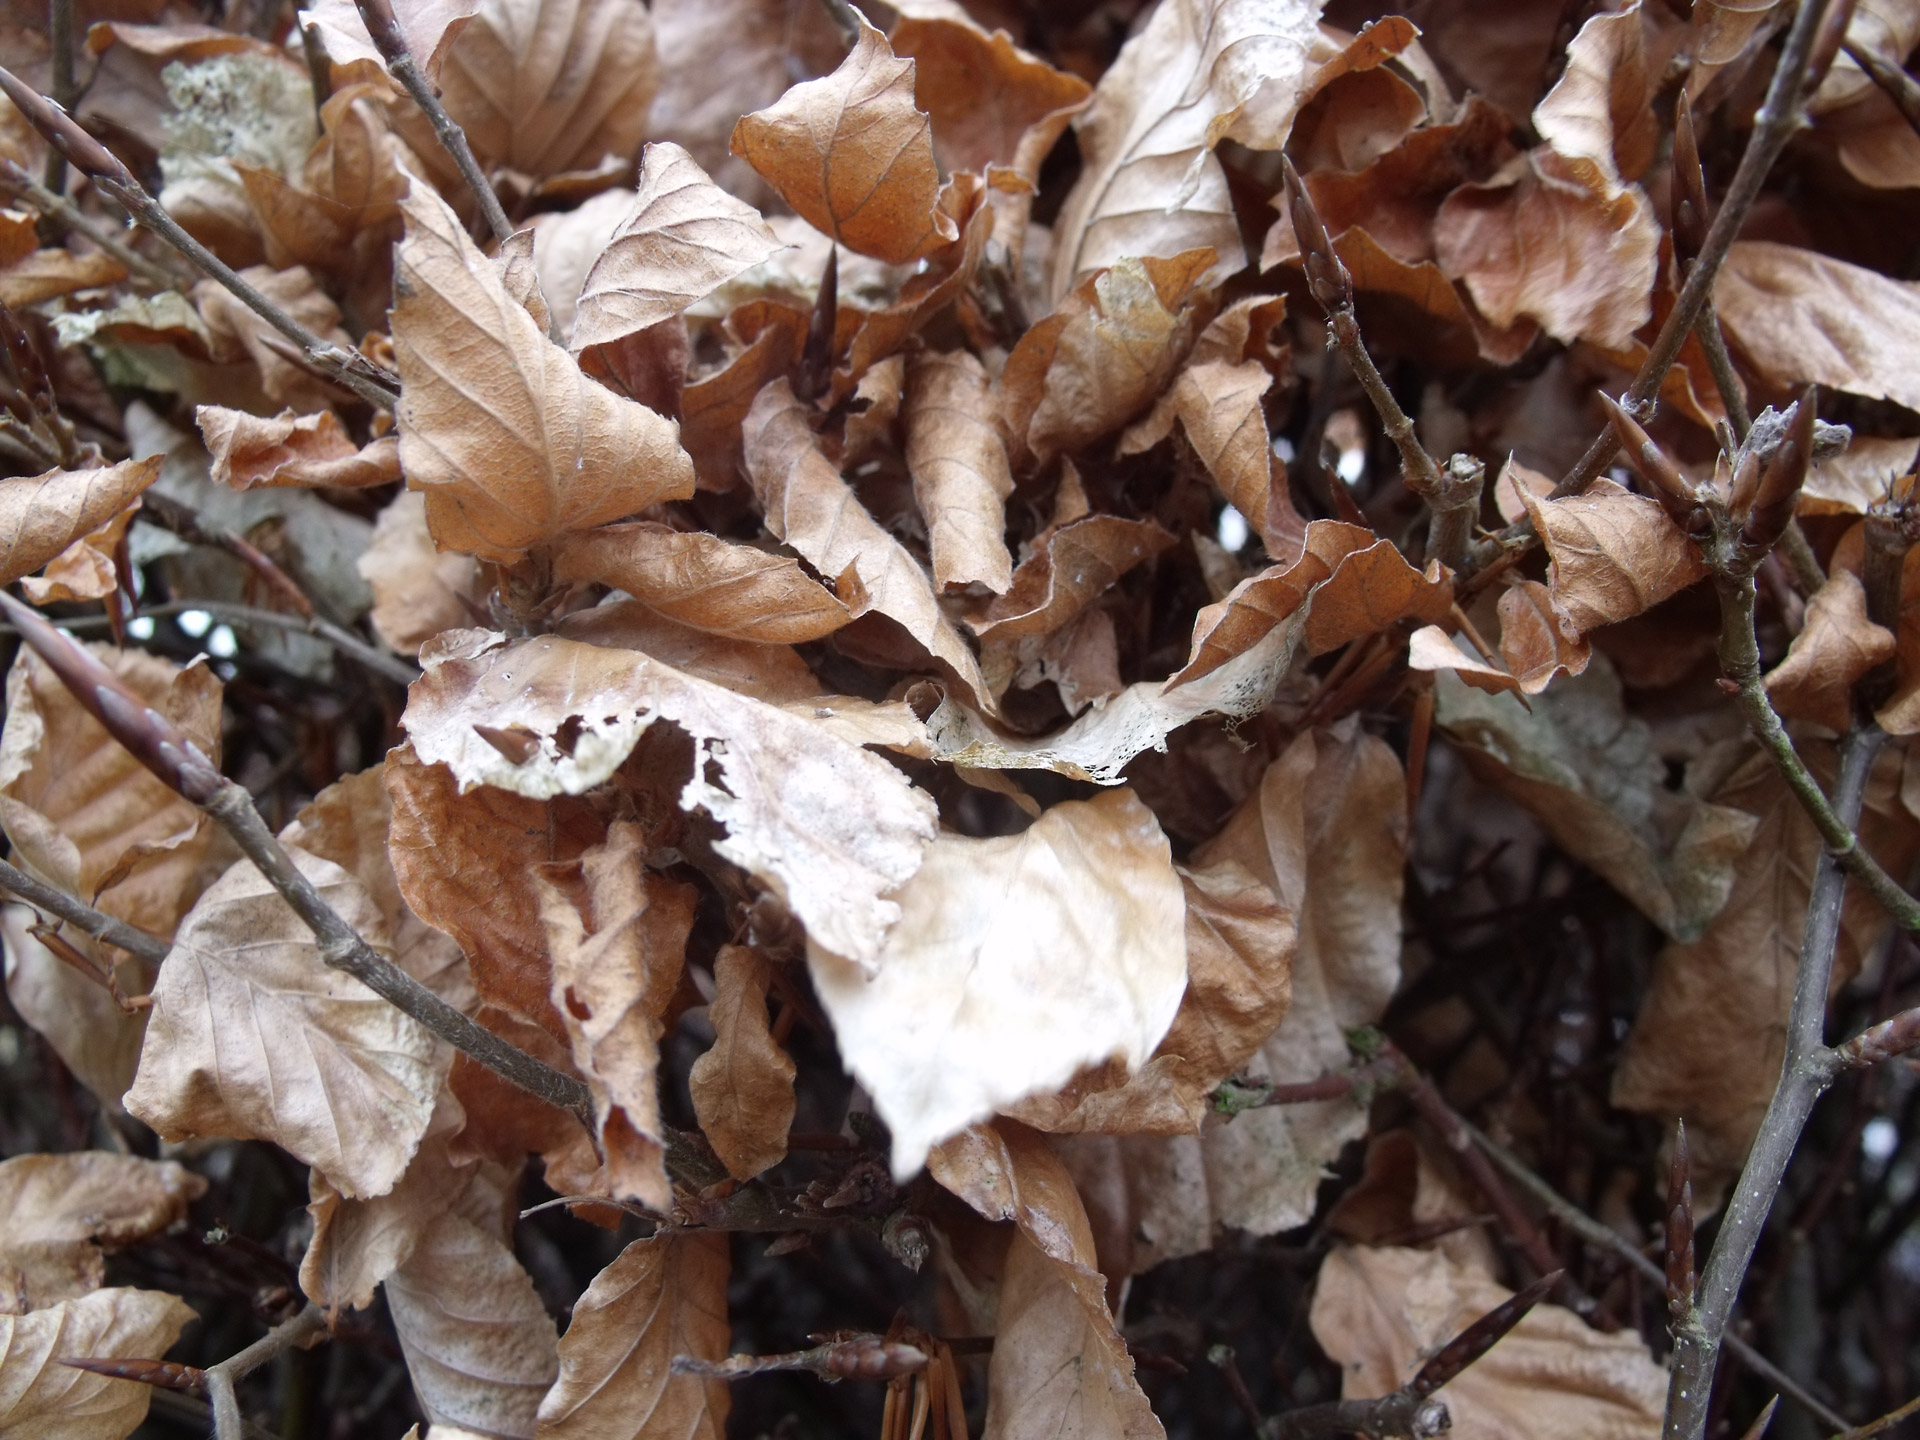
{"points": [[41, 516], [743, 1085]]}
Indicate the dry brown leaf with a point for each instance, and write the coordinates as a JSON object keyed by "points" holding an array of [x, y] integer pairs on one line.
{"points": [[618, 938], [1591, 775], [712, 407], [238, 333], [774, 673], [958, 459], [1199, 72], [1382, 1312], [1850, 482], [990, 101], [40, 1396], [61, 1209], [46, 274], [1015, 962], [252, 1036], [1836, 645], [703, 581], [42, 516], [828, 826], [418, 590], [682, 239], [1796, 316], [290, 449], [661, 1298], [480, 1347], [1599, 116], [514, 447], [1217, 403], [854, 156], [1537, 642], [428, 25], [743, 1085], [1615, 554], [811, 508], [85, 570]]}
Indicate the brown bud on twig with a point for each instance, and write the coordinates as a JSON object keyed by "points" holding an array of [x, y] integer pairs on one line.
{"points": [[150, 737], [1671, 488], [852, 1357], [1680, 1271], [1690, 213], [1881, 1042], [1327, 278], [1826, 44], [1480, 1337], [1771, 509], [63, 132], [164, 1374], [1762, 1420]]}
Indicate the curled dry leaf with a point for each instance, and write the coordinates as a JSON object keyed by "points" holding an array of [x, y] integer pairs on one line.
{"points": [[827, 825], [706, 582], [810, 507], [46, 274], [743, 1085], [1615, 554], [252, 1036], [290, 449], [1835, 647], [479, 1345], [61, 1209], [236, 332], [682, 239], [513, 446], [854, 156], [1381, 1312], [428, 25], [1016, 961], [1201, 71], [85, 570], [958, 459], [418, 590], [774, 673], [1538, 641], [661, 1298], [42, 516], [1218, 405], [40, 1396], [1591, 775]]}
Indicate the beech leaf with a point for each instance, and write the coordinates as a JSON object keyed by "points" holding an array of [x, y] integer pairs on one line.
{"points": [[743, 1086], [41, 516], [62, 1209], [40, 1396]]}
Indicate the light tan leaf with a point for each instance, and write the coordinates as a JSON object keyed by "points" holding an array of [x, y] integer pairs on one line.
{"points": [[1615, 554], [290, 449], [1016, 961], [661, 1298], [41, 516], [1218, 406], [809, 506], [61, 1209], [958, 459], [774, 673], [852, 154], [512, 444], [40, 1396], [1381, 1313], [827, 825], [618, 938], [706, 582], [1599, 116], [1796, 316], [45, 274], [479, 1345], [990, 101], [1070, 568], [252, 1037], [1537, 643], [1850, 482], [428, 25], [85, 570], [1201, 71], [743, 1085], [1835, 647], [683, 238], [238, 333], [418, 590], [1590, 773]]}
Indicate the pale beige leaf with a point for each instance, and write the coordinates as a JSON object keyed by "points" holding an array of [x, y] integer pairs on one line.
{"points": [[1199, 72], [704, 581], [852, 154], [991, 102], [660, 1298], [1599, 115], [743, 1085], [480, 1346], [809, 506], [1615, 554], [290, 449], [252, 1037], [826, 824], [85, 570], [41, 516], [418, 589], [683, 238], [429, 27], [958, 459], [1850, 482], [41, 1397], [1382, 1312], [1836, 645], [512, 444], [1218, 405], [774, 673], [1016, 961], [62, 1209]]}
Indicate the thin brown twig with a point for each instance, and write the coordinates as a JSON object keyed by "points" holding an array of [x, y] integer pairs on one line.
{"points": [[1882, 1425], [65, 213], [100, 926], [1900, 87], [60, 58], [303, 1330]]}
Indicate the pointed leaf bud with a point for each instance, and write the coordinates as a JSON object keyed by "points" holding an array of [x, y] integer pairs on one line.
{"points": [[1680, 1272], [1481, 1336], [1690, 213], [1771, 508], [1327, 278], [63, 132], [1671, 488], [150, 737]]}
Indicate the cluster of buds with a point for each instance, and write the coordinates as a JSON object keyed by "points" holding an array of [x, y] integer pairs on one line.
{"points": [[1739, 515], [1680, 1269]]}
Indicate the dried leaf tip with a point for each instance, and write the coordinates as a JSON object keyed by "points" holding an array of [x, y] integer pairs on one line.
{"points": [[150, 737], [1771, 510], [1671, 488], [63, 132], [1327, 278], [1680, 1269], [1690, 213]]}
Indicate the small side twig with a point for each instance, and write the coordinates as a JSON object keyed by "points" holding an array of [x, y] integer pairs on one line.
{"points": [[83, 917], [303, 1330], [391, 41], [67, 215], [159, 745], [1900, 87], [60, 45], [1882, 1425]]}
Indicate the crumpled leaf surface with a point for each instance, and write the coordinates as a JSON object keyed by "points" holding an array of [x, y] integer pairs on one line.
{"points": [[957, 456], [1614, 553], [290, 449], [62, 1209], [40, 517], [1006, 974], [1538, 643], [742, 1087], [1835, 647], [40, 1396]]}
